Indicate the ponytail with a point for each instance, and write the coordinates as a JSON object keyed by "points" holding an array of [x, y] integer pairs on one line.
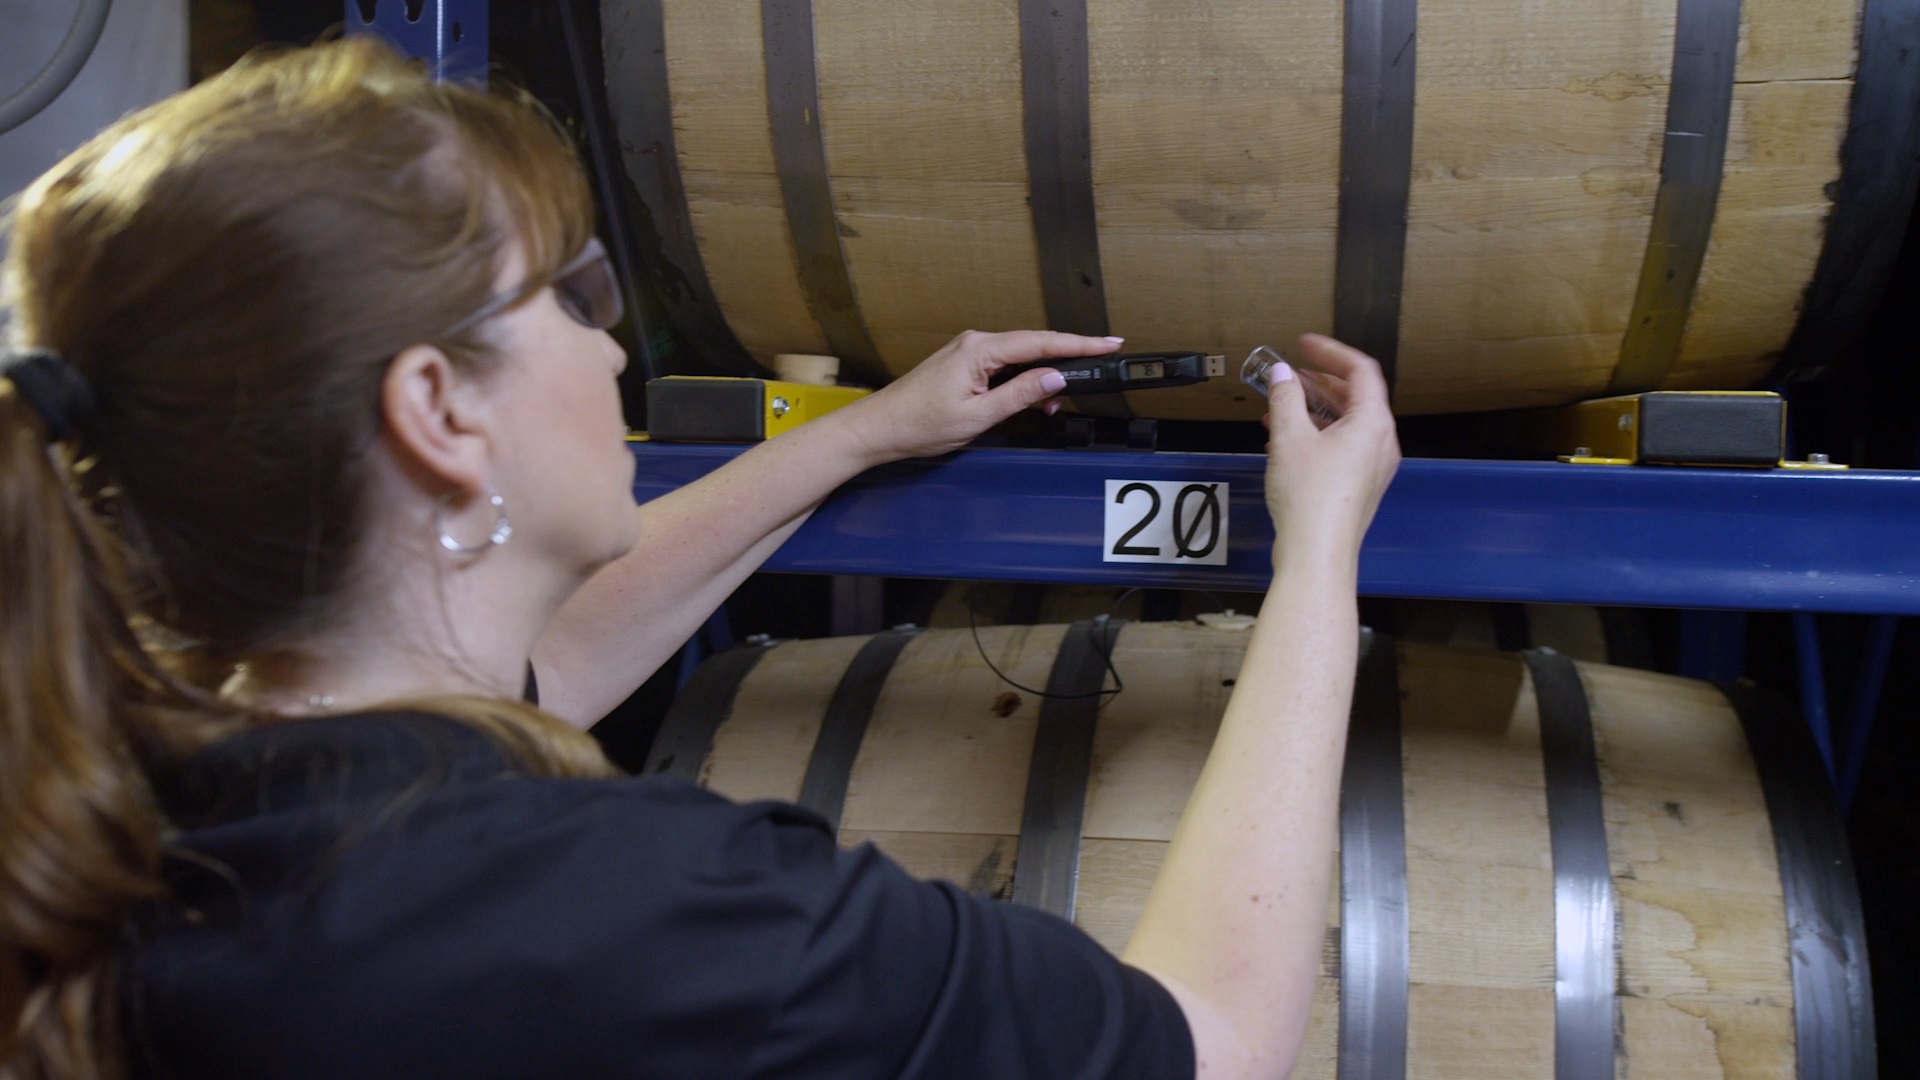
{"points": [[86, 711], [231, 270], [79, 836]]}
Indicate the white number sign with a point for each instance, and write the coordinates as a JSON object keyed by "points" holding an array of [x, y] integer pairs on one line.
{"points": [[1166, 521]]}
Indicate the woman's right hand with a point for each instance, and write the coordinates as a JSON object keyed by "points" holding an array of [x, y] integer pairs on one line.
{"points": [[1325, 475], [1237, 918]]}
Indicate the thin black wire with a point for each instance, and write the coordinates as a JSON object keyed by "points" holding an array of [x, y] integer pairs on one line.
{"points": [[1098, 640], [1097, 637]]}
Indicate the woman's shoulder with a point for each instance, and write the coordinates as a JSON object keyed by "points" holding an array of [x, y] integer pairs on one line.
{"points": [[342, 902], [428, 785], [454, 925]]}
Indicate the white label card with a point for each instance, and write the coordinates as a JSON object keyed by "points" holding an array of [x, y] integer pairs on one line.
{"points": [[1166, 521]]}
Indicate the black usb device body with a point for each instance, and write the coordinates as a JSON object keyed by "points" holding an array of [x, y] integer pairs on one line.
{"points": [[1116, 372]]}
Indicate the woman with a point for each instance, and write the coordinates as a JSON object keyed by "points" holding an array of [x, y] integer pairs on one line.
{"points": [[310, 451]]}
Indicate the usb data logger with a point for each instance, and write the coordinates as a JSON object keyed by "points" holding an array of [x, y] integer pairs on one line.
{"points": [[1116, 372]]}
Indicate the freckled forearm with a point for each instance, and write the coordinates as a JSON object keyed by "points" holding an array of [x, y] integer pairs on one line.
{"points": [[1237, 914]]}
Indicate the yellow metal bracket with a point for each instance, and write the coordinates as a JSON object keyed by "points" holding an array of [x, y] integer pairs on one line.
{"points": [[699, 408], [1719, 429]]}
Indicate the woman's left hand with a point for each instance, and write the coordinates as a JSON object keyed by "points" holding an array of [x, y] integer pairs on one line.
{"points": [[945, 402]]}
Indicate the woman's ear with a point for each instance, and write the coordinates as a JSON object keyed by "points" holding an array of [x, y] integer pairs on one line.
{"points": [[435, 420]]}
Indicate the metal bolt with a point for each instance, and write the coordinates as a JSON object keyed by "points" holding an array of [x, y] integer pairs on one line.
{"points": [[1626, 421], [781, 406], [1818, 459], [1583, 451]]}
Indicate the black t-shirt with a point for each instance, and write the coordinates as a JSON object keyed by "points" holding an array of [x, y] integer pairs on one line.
{"points": [[388, 895]]}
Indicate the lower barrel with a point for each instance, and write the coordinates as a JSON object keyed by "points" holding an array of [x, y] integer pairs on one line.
{"points": [[1582, 631], [1547, 868]]}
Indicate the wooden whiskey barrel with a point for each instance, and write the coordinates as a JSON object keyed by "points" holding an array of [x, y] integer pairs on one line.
{"points": [[998, 603], [1550, 868], [1541, 200], [1580, 631]]}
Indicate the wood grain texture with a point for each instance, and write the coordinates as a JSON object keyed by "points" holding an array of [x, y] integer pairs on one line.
{"points": [[763, 749], [920, 108], [1703, 924], [716, 73], [1537, 153], [1706, 990], [1782, 152], [1457, 1033], [982, 864], [1216, 143], [945, 750], [1216, 146]]}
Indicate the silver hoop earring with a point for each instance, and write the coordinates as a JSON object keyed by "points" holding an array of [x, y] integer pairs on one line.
{"points": [[502, 528]]}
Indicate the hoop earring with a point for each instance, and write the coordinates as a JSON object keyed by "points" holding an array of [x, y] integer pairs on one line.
{"points": [[502, 528]]}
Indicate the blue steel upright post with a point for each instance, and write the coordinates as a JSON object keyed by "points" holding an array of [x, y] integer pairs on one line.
{"points": [[451, 35]]}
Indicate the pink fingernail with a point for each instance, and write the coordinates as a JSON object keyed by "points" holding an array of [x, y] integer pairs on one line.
{"points": [[1053, 382], [1282, 372], [1115, 340]]}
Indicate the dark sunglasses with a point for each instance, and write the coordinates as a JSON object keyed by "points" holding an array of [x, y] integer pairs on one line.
{"points": [[585, 288]]}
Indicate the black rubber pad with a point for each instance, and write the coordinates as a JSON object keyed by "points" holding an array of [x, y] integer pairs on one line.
{"points": [[1712, 429]]}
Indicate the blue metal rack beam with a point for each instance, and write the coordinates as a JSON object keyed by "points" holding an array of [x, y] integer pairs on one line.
{"points": [[451, 35], [1776, 540]]}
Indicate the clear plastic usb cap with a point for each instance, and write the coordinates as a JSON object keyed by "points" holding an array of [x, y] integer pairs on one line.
{"points": [[1257, 372]]}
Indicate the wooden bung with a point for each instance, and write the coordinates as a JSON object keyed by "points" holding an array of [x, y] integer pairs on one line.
{"points": [[806, 368]]}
